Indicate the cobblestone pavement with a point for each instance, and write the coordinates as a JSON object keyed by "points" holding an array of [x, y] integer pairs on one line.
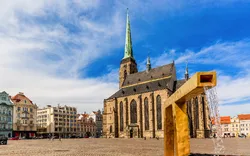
{"points": [[116, 147]]}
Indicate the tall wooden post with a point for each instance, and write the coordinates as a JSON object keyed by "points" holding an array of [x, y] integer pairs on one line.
{"points": [[176, 131]]}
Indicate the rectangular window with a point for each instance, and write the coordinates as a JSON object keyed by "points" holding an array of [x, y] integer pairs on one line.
{"points": [[31, 110]]}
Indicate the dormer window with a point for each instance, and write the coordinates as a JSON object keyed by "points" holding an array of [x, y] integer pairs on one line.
{"points": [[123, 92], [139, 79], [134, 90], [162, 74], [147, 87], [159, 84]]}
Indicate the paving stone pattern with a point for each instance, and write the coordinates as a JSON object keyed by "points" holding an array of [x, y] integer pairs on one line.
{"points": [[114, 147]]}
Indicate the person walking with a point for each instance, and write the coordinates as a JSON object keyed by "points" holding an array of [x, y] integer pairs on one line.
{"points": [[49, 137]]}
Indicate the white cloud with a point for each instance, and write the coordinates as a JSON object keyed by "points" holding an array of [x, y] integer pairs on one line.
{"points": [[37, 56], [232, 89], [36, 60], [234, 110], [86, 95]]}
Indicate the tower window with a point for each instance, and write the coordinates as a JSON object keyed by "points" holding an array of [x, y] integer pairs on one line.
{"points": [[125, 73]]}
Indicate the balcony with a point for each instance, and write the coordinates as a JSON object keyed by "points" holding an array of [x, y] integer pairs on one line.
{"points": [[18, 124], [25, 125], [27, 118], [31, 124]]}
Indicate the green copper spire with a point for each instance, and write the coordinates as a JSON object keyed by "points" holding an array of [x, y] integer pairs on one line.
{"points": [[128, 42]]}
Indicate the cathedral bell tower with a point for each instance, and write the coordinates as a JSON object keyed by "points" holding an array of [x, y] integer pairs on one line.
{"points": [[128, 64]]}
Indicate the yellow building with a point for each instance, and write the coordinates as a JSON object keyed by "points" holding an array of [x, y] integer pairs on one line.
{"points": [[24, 116], [235, 126]]}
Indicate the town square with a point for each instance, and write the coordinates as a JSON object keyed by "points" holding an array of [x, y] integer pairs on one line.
{"points": [[119, 147], [153, 77]]}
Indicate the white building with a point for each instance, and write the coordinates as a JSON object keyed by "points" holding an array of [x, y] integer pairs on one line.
{"points": [[58, 121], [244, 124]]}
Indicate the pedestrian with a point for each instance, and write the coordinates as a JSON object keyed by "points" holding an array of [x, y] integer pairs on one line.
{"points": [[49, 137], [60, 139]]}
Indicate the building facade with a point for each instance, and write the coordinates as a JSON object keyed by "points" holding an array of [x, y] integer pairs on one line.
{"points": [[230, 127], [235, 126], [98, 123], [6, 112], [244, 124], [24, 116], [57, 121], [135, 110], [225, 126], [86, 125]]}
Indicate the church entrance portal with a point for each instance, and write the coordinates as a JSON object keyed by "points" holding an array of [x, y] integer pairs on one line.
{"points": [[131, 133]]}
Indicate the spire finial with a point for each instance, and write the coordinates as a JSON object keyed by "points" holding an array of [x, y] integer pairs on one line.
{"points": [[128, 52], [148, 63]]}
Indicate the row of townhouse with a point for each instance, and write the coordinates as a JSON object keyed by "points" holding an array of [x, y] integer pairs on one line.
{"points": [[17, 115], [64, 121], [20, 117], [235, 126]]}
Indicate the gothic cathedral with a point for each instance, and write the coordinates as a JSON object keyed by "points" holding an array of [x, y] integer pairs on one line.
{"points": [[135, 110]]}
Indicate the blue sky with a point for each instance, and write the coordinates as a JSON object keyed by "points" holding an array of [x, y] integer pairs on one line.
{"points": [[68, 52]]}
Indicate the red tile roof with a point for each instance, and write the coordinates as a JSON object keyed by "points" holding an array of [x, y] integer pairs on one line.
{"points": [[244, 116], [223, 120], [19, 97]]}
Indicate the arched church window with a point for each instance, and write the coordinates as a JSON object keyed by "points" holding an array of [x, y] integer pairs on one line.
{"points": [[146, 118], [126, 105], [121, 116], [159, 117], [133, 112], [110, 129]]}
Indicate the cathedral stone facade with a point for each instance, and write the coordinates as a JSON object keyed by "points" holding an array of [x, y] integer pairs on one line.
{"points": [[135, 110]]}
